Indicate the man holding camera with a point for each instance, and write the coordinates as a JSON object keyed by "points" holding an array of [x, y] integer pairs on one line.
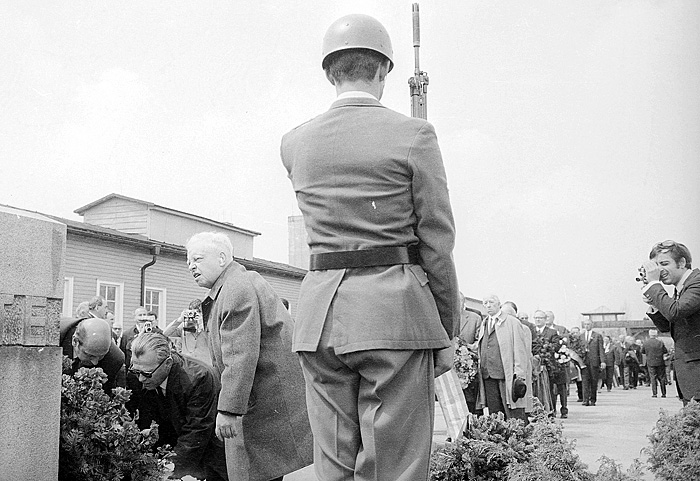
{"points": [[670, 264], [188, 333], [143, 322]]}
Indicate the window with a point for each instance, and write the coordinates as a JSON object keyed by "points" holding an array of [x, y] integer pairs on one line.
{"points": [[155, 301], [112, 292], [67, 310]]}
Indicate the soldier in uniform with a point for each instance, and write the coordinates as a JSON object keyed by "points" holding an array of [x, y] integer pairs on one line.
{"points": [[380, 303]]}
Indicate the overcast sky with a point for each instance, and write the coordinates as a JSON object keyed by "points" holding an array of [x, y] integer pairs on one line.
{"points": [[570, 131]]}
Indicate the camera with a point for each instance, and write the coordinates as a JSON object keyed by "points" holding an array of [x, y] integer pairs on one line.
{"points": [[642, 277], [148, 326], [190, 321]]}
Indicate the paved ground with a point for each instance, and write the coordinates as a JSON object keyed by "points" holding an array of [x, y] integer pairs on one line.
{"points": [[617, 426]]}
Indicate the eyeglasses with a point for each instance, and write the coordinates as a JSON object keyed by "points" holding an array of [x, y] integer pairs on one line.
{"points": [[145, 374]]}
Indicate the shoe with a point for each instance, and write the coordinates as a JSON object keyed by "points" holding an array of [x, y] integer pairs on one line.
{"points": [[579, 400], [586, 403], [592, 404], [626, 388], [663, 395], [654, 395], [564, 416], [609, 390]]}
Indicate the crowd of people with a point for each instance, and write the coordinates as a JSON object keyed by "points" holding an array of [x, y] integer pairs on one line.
{"points": [[550, 359], [221, 380], [246, 393]]}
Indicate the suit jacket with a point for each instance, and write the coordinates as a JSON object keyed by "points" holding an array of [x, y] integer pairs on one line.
{"points": [[681, 317], [595, 355], [548, 334], [515, 355], [611, 355], [186, 416], [366, 177], [619, 354], [654, 350], [250, 337], [632, 355]]}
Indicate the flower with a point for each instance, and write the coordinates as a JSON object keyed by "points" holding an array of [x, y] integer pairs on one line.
{"points": [[466, 363]]}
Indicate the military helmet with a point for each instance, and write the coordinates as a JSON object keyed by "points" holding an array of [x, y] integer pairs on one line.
{"points": [[357, 31]]}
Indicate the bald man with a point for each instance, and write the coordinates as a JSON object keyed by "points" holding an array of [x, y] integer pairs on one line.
{"points": [[89, 342]]}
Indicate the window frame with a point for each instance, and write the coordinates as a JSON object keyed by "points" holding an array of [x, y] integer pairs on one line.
{"points": [[119, 301], [162, 321]]}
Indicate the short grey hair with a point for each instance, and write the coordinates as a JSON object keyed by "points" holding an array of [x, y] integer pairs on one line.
{"points": [[220, 241], [151, 341], [96, 302], [83, 310]]}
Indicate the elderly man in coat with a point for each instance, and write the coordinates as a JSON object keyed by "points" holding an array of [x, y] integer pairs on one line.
{"points": [[503, 362], [261, 410]]}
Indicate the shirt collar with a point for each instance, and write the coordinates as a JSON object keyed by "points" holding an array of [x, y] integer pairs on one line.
{"points": [[214, 291], [354, 94], [679, 287]]}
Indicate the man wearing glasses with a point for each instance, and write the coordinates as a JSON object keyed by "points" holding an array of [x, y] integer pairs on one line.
{"points": [[180, 394], [679, 314]]}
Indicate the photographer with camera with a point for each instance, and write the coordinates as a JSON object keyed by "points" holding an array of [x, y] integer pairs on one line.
{"points": [[187, 333], [670, 264], [143, 322]]}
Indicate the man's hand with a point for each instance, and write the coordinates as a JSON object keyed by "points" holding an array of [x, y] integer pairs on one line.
{"points": [[602, 366], [228, 425], [444, 359], [653, 271]]}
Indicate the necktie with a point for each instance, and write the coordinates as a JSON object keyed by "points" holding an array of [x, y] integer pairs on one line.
{"points": [[675, 293], [161, 394]]}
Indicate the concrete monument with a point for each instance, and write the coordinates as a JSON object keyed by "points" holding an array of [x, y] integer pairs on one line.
{"points": [[32, 251]]}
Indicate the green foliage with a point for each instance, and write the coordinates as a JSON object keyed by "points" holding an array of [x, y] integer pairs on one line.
{"points": [[675, 445], [609, 470], [100, 440], [554, 457], [488, 447], [494, 449]]}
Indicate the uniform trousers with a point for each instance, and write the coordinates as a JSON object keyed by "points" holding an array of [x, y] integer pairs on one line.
{"points": [[371, 412]]}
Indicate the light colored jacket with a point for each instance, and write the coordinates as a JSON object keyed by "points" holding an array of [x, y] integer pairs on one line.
{"points": [[250, 334], [515, 355], [366, 177]]}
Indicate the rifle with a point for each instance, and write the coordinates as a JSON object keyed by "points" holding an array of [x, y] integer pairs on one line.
{"points": [[418, 84]]}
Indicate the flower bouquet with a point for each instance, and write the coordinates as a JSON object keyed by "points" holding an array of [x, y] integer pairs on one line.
{"points": [[466, 363]]}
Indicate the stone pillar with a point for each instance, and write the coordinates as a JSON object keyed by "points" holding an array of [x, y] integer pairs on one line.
{"points": [[32, 252]]}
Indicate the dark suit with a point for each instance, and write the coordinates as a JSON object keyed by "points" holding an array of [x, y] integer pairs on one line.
{"points": [[681, 317], [633, 357], [557, 380], [655, 350], [186, 417], [594, 357], [611, 360], [368, 177]]}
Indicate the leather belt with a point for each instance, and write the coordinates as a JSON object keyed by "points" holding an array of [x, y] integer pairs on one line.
{"points": [[378, 256]]}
